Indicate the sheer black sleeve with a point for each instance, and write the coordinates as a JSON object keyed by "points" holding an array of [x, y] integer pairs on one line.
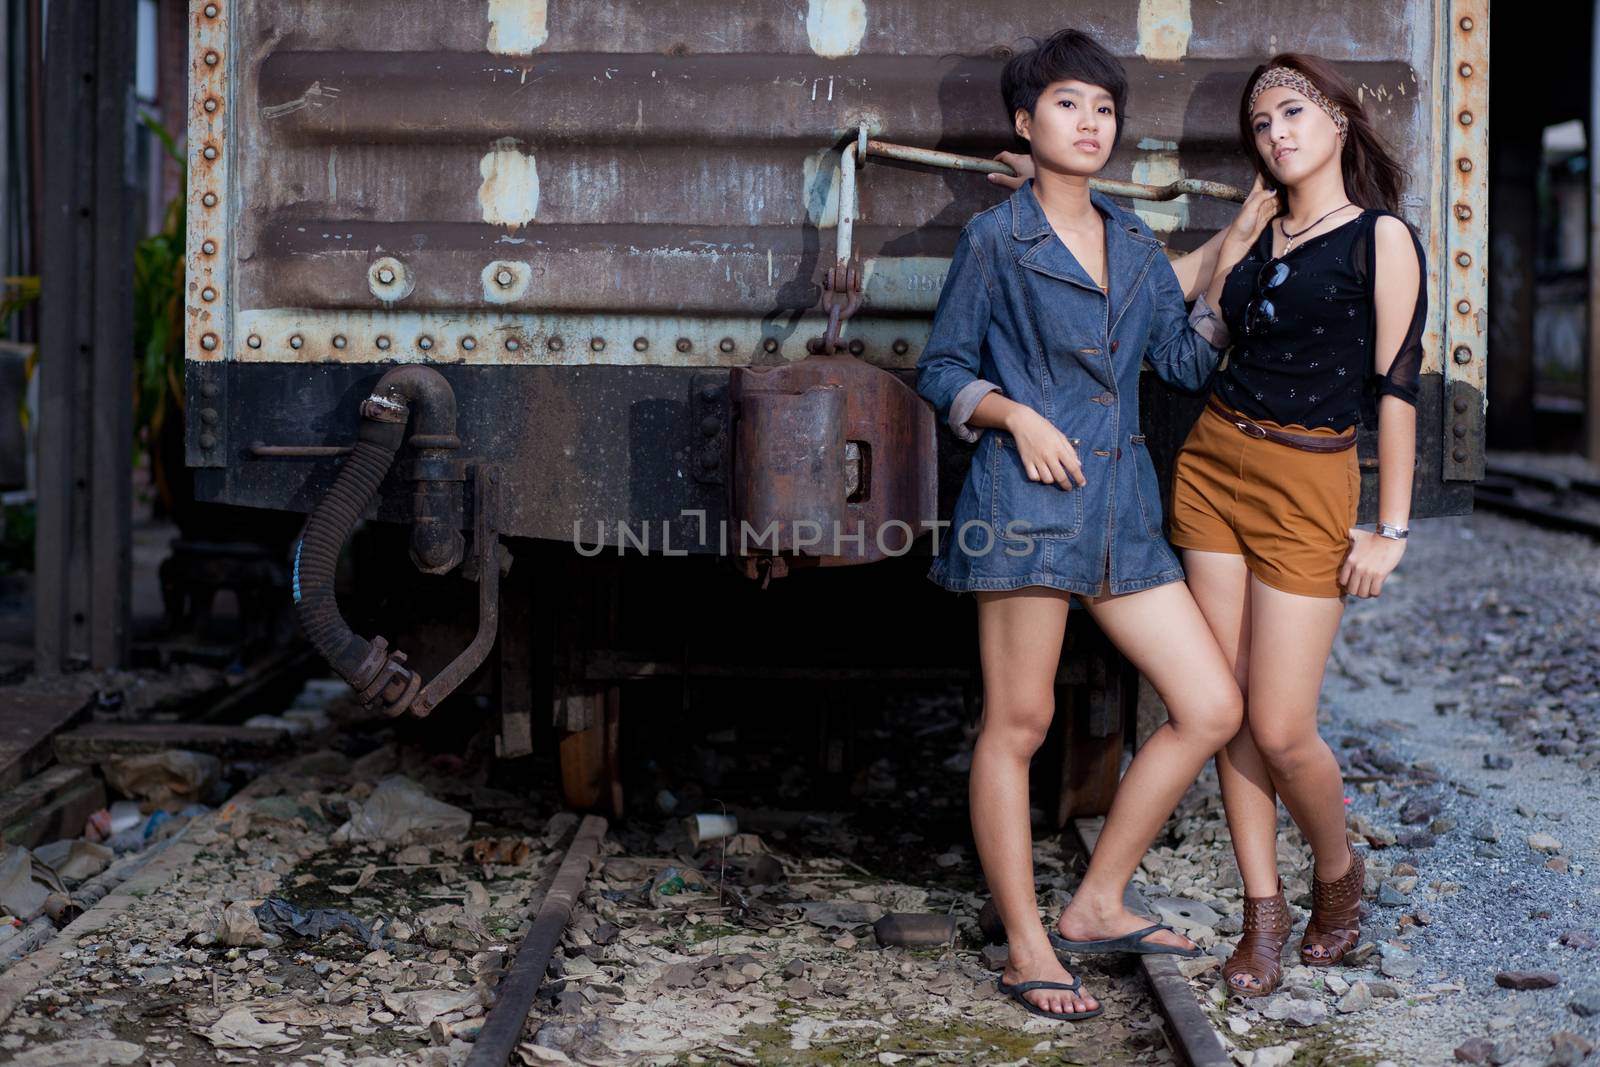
{"points": [[1404, 374]]}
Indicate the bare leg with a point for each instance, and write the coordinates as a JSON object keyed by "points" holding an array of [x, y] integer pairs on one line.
{"points": [[1163, 633], [1019, 645], [1221, 585], [1293, 637]]}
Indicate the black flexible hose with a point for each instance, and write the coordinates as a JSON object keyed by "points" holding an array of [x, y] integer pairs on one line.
{"points": [[369, 666], [316, 557]]}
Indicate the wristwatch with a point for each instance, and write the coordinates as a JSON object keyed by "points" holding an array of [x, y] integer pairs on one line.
{"points": [[1393, 533]]}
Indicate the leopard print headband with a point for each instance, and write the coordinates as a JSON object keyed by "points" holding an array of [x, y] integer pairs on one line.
{"points": [[1288, 77]]}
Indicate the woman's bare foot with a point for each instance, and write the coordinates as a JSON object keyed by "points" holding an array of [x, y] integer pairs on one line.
{"points": [[1085, 920], [1038, 963]]}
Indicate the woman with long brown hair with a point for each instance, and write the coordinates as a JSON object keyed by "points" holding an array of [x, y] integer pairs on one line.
{"points": [[1322, 295]]}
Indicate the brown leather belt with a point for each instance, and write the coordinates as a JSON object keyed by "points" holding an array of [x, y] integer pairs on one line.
{"points": [[1304, 442]]}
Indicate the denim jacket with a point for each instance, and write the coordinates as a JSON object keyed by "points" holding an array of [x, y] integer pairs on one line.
{"points": [[1019, 314]]}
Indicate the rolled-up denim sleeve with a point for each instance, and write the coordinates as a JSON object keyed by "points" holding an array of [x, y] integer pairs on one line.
{"points": [[948, 372], [1180, 352], [1205, 321]]}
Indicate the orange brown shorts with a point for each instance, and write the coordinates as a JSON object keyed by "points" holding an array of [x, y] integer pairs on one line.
{"points": [[1288, 512]]}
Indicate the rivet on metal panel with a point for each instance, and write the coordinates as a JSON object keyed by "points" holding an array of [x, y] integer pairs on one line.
{"points": [[211, 105], [1463, 260], [1465, 70], [555, 344], [389, 279], [209, 416], [684, 344], [382, 342], [726, 344], [254, 340], [297, 342], [208, 441], [1460, 455], [209, 390], [469, 343], [769, 344], [209, 151], [1465, 118], [1459, 429], [209, 342], [710, 425], [212, 59], [1465, 23], [1463, 354], [901, 346], [208, 247], [1464, 307], [710, 458], [640, 344], [209, 200], [1460, 405], [512, 344], [1463, 213], [1464, 165], [597, 344], [708, 393], [339, 340], [208, 294], [857, 346], [425, 342], [211, 11]]}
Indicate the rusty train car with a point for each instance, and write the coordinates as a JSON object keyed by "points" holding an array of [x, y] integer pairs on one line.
{"points": [[565, 291]]}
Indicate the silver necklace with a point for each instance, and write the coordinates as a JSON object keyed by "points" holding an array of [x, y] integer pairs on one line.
{"points": [[1290, 238]]}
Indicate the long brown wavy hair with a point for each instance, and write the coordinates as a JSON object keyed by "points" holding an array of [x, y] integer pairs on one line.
{"points": [[1372, 177]]}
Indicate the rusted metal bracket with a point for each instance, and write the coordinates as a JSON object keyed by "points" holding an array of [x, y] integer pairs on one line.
{"points": [[484, 566], [1464, 52], [834, 463]]}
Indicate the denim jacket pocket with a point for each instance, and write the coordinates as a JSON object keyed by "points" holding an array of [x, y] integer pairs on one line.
{"points": [[1148, 489], [1022, 508]]}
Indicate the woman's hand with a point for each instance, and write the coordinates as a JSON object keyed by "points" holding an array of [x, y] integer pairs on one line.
{"points": [[1260, 207], [1022, 164], [1371, 560], [1046, 453]]}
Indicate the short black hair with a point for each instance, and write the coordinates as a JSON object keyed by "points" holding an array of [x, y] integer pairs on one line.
{"points": [[1066, 55]]}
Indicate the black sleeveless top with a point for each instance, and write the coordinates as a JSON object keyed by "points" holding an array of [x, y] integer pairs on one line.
{"points": [[1312, 364]]}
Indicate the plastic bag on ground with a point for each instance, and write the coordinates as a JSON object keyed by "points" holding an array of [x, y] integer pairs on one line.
{"points": [[171, 778], [401, 810]]}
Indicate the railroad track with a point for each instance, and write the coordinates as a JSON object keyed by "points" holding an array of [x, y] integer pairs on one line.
{"points": [[1552, 500], [1193, 1036]]}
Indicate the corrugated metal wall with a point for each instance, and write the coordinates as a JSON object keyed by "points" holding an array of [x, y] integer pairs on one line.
{"points": [[590, 182]]}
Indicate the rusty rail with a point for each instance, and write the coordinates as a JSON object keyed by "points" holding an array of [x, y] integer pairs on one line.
{"points": [[1195, 1039], [502, 1028]]}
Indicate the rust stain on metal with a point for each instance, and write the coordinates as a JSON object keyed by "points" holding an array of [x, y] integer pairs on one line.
{"points": [[206, 305], [834, 462], [1464, 112]]}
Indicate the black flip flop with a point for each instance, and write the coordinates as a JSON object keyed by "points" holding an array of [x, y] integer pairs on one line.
{"points": [[1015, 992], [1134, 942]]}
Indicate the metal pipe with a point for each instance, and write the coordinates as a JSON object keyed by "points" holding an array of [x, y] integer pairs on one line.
{"points": [[502, 1028], [259, 451], [858, 151]]}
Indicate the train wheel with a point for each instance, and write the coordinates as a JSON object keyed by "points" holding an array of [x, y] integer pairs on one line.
{"points": [[591, 768]]}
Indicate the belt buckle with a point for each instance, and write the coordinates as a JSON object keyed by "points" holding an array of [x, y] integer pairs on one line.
{"points": [[1250, 429]]}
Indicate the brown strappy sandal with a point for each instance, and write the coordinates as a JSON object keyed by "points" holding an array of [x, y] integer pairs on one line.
{"points": [[1259, 954], [1335, 924]]}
